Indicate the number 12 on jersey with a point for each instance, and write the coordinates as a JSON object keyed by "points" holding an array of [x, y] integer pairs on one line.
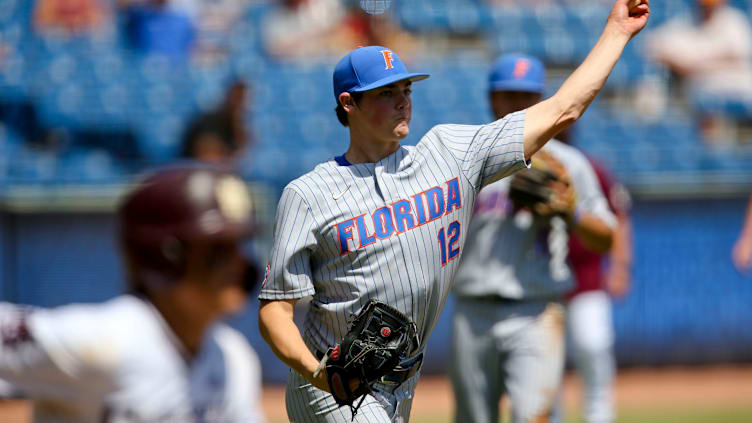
{"points": [[448, 242]]}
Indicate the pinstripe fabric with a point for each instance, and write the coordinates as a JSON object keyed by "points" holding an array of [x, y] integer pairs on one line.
{"points": [[391, 230], [307, 404], [515, 255]]}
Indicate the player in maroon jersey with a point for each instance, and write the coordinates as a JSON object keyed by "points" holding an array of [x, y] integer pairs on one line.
{"points": [[589, 320]]}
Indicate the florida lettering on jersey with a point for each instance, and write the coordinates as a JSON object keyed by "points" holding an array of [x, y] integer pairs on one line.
{"points": [[401, 216]]}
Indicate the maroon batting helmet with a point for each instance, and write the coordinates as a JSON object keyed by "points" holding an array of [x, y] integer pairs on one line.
{"points": [[174, 207]]}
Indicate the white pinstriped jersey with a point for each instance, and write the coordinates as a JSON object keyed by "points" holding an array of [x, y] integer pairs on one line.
{"points": [[391, 230], [118, 361], [515, 255]]}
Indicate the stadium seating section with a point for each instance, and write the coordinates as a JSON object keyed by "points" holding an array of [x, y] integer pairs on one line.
{"points": [[113, 111]]}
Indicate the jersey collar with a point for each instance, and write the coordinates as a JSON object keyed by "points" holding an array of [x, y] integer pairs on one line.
{"points": [[342, 160]]}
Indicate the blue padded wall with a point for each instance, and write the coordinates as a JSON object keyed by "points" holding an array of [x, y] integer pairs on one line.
{"points": [[688, 304], [65, 258]]}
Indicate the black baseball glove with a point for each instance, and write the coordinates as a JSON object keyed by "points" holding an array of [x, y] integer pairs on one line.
{"points": [[530, 187], [544, 188], [379, 338]]}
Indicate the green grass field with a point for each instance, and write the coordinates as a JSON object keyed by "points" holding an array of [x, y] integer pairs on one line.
{"points": [[689, 415], [712, 394], [685, 416], [651, 416]]}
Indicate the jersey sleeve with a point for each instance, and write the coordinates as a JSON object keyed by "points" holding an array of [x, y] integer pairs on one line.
{"points": [[486, 153], [590, 198], [46, 352], [289, 272]]}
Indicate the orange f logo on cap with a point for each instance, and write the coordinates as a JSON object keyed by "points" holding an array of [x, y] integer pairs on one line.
{"points": [[521, 68], [388, 59]]}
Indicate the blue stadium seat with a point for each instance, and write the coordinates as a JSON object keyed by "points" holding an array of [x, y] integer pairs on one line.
{"points": [[116, 101], [94, 84], [11, 144], [30, 166], [460, 17], [89, 165], [317, 129], [416, 16], [270, 162], [9, 11], [560, 45], [248, 63], [466, 17], [13, 83], [714, 105]]}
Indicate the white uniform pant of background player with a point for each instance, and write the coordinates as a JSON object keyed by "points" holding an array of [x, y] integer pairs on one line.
{"points": [[591, 337], [499, 348], [308, 404]]}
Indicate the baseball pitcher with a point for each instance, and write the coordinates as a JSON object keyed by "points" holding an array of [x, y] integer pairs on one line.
{"points": [[375, 235]]}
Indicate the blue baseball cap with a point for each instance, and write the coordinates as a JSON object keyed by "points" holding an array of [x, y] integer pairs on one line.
{"points": [[517, 72], [366, 68]]}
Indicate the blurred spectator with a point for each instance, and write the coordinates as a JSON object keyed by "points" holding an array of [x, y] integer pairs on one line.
{"points": [[550, 3], [711, 53], [382, 30], [305, 29], [742, 253], [164, 27], [219, 135], [70, 17], [214, 21], [301, 28]]}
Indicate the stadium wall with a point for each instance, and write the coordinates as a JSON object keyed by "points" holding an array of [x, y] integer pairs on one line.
{"points": [[688, 304]]}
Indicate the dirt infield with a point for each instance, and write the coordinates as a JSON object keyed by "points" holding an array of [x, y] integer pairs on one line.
{"points": [[716, 387], [644, 388], [695, 388]]}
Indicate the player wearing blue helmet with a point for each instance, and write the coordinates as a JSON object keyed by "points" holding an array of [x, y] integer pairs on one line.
{"points": [[508, 331]]}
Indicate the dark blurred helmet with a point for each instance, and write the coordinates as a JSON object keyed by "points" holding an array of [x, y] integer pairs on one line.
{"points": [[175, 207]]}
